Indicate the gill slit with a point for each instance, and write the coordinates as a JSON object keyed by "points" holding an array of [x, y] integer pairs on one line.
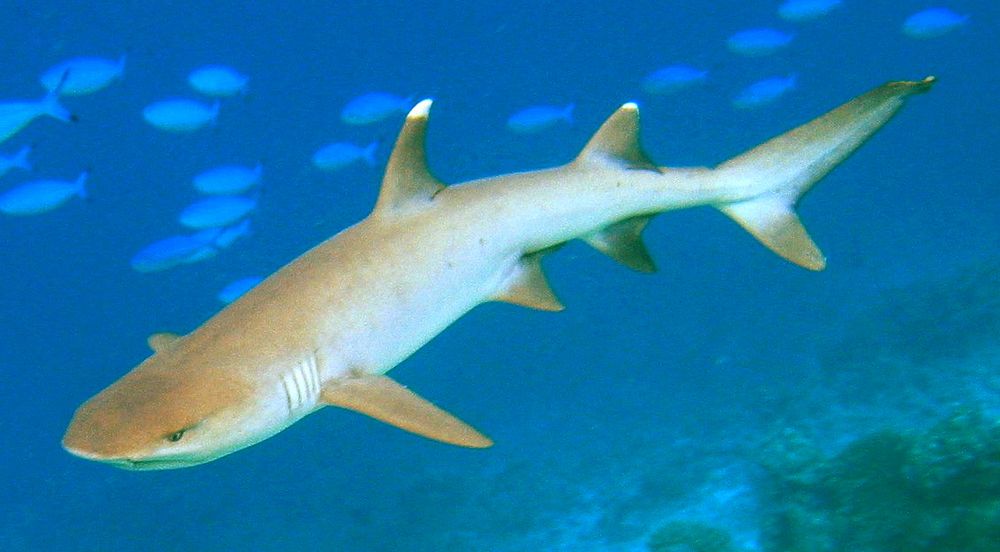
{"points": [[301, 385]]}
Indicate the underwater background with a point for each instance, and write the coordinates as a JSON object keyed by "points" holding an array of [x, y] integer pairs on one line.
{"points": [[731, 401]]}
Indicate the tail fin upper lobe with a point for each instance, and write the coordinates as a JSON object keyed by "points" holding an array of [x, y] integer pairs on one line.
{"points": [[784, 168]]}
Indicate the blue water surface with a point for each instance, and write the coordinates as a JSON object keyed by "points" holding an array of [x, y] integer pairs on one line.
{"points": [[641, 391]]}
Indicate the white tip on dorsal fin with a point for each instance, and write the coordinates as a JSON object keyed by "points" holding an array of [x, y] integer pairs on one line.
{"points": [[160, 341], [387, 401], [617, 141], [407, 181]]}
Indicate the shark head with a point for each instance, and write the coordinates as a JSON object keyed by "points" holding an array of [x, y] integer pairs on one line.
{"points": [[161, 416]]}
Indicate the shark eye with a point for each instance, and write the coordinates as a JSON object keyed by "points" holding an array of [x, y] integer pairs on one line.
{"points": [[176, 436]]}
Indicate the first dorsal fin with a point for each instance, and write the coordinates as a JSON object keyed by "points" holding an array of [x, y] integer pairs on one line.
{"points": [[160, 341], [387, 401], [528, 287], [617, 141], [407, 181]]}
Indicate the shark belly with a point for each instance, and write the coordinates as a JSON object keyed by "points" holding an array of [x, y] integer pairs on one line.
{"points": [[399, 283], [392, 287]]}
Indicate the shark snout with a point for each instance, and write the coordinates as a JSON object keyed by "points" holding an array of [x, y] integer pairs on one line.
{"points": [[93, 435], [81, 452], [81, 448], [75, 442]]}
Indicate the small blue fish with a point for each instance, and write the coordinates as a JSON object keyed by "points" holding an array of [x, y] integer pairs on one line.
{"points": [[17, 161], [218, 81], [540, 117], [15, 115], [673, 78], [338, 155], [758, 42], [216, 211], [229, 235], [186, 249], [42, 196], [235, 289], [84, 75], [933, 23], [228, 179], [374, 107], [764, 91], [798, 11], [175, 250], [180, 115]]}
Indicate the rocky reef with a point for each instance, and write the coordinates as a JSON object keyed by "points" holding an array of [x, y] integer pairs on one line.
{"points": [[945, 316], [936, 490], [933, 491], [690, 536]]}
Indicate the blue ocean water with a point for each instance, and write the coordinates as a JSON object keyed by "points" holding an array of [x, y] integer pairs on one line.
{"points": [[642, 402]]}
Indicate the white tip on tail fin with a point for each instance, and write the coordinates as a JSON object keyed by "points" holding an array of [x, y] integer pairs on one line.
{"points": [[780, 171]]}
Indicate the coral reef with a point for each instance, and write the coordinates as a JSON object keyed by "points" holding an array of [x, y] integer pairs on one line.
{"points": [[936, 491], [927, 320]]}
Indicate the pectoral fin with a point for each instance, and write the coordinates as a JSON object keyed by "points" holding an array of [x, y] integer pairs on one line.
{"points": [[387, 401]]}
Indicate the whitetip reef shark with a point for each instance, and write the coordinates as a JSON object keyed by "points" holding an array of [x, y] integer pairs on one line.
{"points": [[326, 328]]}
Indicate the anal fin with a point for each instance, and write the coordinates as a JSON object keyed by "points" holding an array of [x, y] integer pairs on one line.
{"points": [[622, 241], [528, 287], [387, 401]]}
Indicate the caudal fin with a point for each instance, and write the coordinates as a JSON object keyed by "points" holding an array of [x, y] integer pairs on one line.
{"points": [[783, 169], [81, 185], [51, 105], [20, 159]]}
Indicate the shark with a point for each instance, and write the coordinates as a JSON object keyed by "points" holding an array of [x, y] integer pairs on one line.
{"points": [[325, 329]]}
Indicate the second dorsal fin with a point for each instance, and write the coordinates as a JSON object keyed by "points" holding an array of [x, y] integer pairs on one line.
{"points": [[617, 141], [407, 181]]}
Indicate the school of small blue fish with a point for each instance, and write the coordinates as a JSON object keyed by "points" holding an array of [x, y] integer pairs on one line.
{"points": [[228, 194], [337, 155]]}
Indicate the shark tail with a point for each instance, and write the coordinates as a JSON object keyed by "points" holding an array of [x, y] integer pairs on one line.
{"points": [[782, 170], [758, 189]]}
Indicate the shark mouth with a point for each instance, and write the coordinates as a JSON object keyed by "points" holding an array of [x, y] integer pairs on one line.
{"points": [[139, 464]]}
